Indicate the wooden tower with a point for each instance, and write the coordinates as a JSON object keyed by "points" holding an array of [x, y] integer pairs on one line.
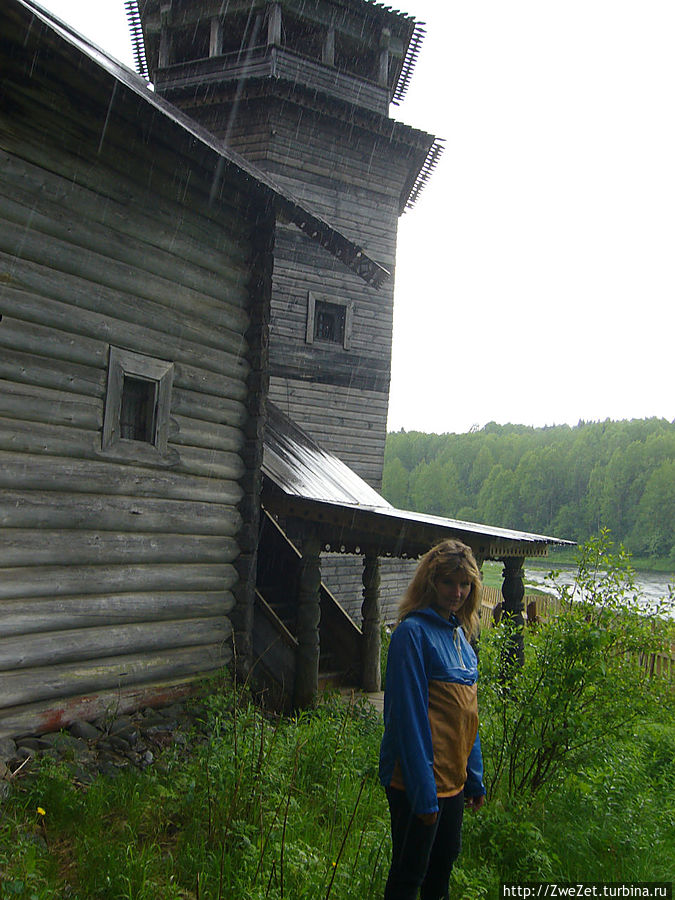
{"points": [[302, 88]]}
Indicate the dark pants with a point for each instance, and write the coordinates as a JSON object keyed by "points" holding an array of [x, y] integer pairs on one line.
{"points": [[422, 855]]}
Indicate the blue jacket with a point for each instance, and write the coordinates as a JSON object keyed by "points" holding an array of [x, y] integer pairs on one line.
{"points": [[431, 746]]}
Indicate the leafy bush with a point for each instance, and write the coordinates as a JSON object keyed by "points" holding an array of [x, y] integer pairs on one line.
{"points": [[581, 681]]}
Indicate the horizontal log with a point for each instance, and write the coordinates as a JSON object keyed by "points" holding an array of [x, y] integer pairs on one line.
{"points": [[40, 614], [171, 172], [54, 683], [76, 222], [59, 263], [112, 318], [57, 510], [77, 443], [67, 580], [38, 404], [192, 432], [81, 644], [50, 716], [153, 221], [33, 472], [44, 340], [26, 547], [55, 374], [158, 216], [62, 360]]}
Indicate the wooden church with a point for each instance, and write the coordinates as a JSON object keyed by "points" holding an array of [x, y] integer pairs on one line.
{"points": [[196, 301]]}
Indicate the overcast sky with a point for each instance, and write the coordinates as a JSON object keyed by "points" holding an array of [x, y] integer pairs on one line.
{"points": [[536, 274]]}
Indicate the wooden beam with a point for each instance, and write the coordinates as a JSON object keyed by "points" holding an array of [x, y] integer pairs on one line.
{"points": [[513, 591], [306, 685], [371, 612]]}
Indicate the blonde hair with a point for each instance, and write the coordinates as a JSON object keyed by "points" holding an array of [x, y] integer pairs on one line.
{"points": [[447, 557]]}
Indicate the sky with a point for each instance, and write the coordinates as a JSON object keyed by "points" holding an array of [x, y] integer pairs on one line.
{"points": [[535, 276]]}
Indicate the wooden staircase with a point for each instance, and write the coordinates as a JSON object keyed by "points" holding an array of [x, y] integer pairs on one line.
{"points": [[274, 635]]}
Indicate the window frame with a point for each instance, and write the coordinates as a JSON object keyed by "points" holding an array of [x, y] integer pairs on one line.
{"points": [[312, 301], [127, 362]]}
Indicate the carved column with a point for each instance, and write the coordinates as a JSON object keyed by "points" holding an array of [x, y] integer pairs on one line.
{"points": [[306, 685], [371, 613], [513, 591]]}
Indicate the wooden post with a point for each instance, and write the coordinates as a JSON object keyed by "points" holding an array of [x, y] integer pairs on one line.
{"points": [[383, 75], [513, 591], [328, 55], [371, 612], [216, 42], [306, 685], [165, 35], [274, 25]]}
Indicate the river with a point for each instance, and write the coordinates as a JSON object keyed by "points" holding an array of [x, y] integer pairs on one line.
{"points": [[652, 586]]}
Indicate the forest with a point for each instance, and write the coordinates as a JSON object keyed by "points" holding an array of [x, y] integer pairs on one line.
{"points": [[560, 480]]}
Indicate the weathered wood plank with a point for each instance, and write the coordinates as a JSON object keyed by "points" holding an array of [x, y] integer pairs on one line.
{"points": [[208, 435], [99, 512], [114, 318], [161, 174], [80, 644], [46, 203], [72, 679], [36, 437], [53, 715], [20, 401], [67, 580], [26, 547], [56, 374], [53, 407], [32, 615], [208, 407], [32, 472]]}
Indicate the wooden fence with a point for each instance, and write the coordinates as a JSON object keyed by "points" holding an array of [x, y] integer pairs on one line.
{"points": [[538, 607]]}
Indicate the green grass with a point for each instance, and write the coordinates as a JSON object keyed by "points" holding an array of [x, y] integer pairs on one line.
{"points": [[265, 807]]}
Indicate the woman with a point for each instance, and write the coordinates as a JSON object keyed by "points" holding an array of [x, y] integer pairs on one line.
{"points": [[430, 758]]}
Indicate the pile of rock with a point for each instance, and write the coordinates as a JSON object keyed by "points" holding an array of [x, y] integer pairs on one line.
{"points": [[105, 746]]}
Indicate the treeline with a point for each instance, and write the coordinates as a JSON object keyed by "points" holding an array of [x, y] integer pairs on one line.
{"points": [[560, 480]]}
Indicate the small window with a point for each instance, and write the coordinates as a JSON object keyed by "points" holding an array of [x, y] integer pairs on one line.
{"points": [[137, 403], [138, 420], [329, 321]]}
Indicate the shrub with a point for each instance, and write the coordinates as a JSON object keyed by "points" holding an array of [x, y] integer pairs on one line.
{"points": [[581, 680]]}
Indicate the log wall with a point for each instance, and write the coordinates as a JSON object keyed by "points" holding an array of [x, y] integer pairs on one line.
{"points": [[118, 571], [352, 178]]}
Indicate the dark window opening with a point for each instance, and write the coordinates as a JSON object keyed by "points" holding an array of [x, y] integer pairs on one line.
{"points": [[138, 416], [329, 322]]}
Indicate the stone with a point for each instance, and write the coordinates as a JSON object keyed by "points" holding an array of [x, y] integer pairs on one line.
{"points": [[128, 733], [85, 730], [120, 724], [33, 743], [7, 748], [67, 744]]}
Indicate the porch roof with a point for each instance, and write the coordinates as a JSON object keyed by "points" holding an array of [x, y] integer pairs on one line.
{"points": [[305, 482]]}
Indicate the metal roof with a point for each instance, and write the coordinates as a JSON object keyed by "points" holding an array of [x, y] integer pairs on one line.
{"points": [[307, 482], [314, 226]]}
